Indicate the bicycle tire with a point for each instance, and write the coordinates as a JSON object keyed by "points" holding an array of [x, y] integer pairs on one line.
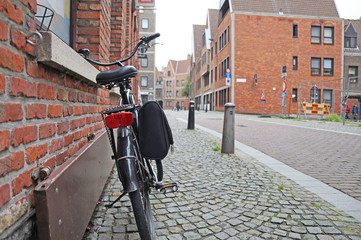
{"points": [[143, 215]]}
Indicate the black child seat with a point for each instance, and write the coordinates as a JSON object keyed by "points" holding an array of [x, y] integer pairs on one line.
{"points": [[116, 75]]}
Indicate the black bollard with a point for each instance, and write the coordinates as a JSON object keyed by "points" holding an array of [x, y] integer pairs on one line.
{"points": [[191, 115]]}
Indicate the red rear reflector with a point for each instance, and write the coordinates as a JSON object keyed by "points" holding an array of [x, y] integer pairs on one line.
{"points": [[121, 119]]}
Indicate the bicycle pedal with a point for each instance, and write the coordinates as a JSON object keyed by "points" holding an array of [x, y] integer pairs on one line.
{"points": [[169, 188]]}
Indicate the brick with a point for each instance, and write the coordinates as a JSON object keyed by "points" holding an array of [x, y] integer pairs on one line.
{"points": [[88, 120], [82, 122], [4, 140], [18, 39], [72, 96], [11, 60], [22, 181], [61, 158], [31, 4], [68, 139], [24, 135], [46, 92], [57, 78], [56, 145], [73, 149], [11, 163], [62, 95], [36, 70], [3, 31], [55, 111], [74, 124], [63, 127], [78, 110], [47, 130], [50, 163], [11, 112], [22, 87], [88, 14], [68, 111], [2, 84], [11, 11], [36, 152], [78, 135], [4, 194], [36, 110]]}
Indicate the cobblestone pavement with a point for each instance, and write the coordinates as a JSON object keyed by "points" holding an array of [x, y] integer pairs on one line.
{"points": [[222, 196], [328, 152]]}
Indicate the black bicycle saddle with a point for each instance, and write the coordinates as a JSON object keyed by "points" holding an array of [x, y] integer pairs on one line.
{"points": [[116, 75]]}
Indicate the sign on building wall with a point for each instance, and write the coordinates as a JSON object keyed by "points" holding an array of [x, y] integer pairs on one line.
{"points": [[145, 1]]}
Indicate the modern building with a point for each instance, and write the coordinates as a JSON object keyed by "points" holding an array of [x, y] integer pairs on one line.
{"points": [[352, 58], [176, 75], [259, 45], [147, 74]]}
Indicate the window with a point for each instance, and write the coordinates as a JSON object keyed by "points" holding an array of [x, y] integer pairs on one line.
{"points": [[328, 35], [350, 42], [144, 81], [316, 66], [315, 34], [228, 34], [145, 23], [215, 49], [295, 63], [182, 82], [215, 74], [61, 24], [295, 30], [294, 94], [327, 96], [177, 93], [144, 62], [211, 53], [177, 83], [328, 66], [353, 72], [220, 43], [203, 39], [168, 73]]}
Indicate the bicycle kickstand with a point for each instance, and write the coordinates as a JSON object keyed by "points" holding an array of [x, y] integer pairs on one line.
{"points": [[116, 200]]}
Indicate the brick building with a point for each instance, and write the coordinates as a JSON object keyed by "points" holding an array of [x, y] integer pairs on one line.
{"points": [[50, 107], [159, 86], [255, 39], [176, 73]]}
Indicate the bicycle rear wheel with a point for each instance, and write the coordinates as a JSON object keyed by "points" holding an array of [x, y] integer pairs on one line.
{"points": [[143, 214]]}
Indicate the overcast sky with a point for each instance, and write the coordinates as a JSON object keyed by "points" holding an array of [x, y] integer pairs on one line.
{"points": [[175, 19]]}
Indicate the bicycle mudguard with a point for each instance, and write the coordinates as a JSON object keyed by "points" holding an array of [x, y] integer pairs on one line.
{"points": [[125, 160]]}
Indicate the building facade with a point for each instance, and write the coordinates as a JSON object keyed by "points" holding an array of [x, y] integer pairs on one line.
{"points": [[50, 102], [254, 42], [147, 74], [352, 58], [175, 77], [159, 86]]}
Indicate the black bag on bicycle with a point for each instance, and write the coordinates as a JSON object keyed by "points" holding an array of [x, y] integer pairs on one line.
{"points": [[155, 135]]}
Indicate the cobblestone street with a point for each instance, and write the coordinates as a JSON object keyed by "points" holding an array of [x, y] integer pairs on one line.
{"points": [[223, 196]]}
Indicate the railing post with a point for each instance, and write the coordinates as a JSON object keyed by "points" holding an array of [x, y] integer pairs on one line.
{"points": [[191, 115], [228, 129]]}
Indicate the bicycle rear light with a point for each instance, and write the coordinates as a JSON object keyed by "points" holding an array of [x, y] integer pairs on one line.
{"points": [[121, 119]]}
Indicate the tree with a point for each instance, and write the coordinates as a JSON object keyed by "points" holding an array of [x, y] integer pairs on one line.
{"points": [[185, 89]]}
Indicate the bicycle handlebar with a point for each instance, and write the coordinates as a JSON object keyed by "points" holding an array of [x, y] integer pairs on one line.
{"points": [[144, 41]]}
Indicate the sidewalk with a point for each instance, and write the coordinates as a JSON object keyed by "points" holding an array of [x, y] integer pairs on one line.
{"points": [[223, 197]]}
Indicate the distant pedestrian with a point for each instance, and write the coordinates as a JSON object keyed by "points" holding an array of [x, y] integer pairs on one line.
{"points": [[355, 111], [347, 110]]}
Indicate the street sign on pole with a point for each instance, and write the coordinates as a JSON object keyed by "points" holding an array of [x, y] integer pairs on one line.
{"points": [[228, 77], [284, 86]]}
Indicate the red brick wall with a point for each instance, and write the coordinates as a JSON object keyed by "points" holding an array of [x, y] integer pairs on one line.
{"points": [[46, 115], [264, 44]]}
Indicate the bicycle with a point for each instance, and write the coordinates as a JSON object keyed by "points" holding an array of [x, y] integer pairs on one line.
{"points": [[135, 171]]}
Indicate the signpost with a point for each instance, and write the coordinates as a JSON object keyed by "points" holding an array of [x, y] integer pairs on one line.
{"points": [[284, 87]]}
